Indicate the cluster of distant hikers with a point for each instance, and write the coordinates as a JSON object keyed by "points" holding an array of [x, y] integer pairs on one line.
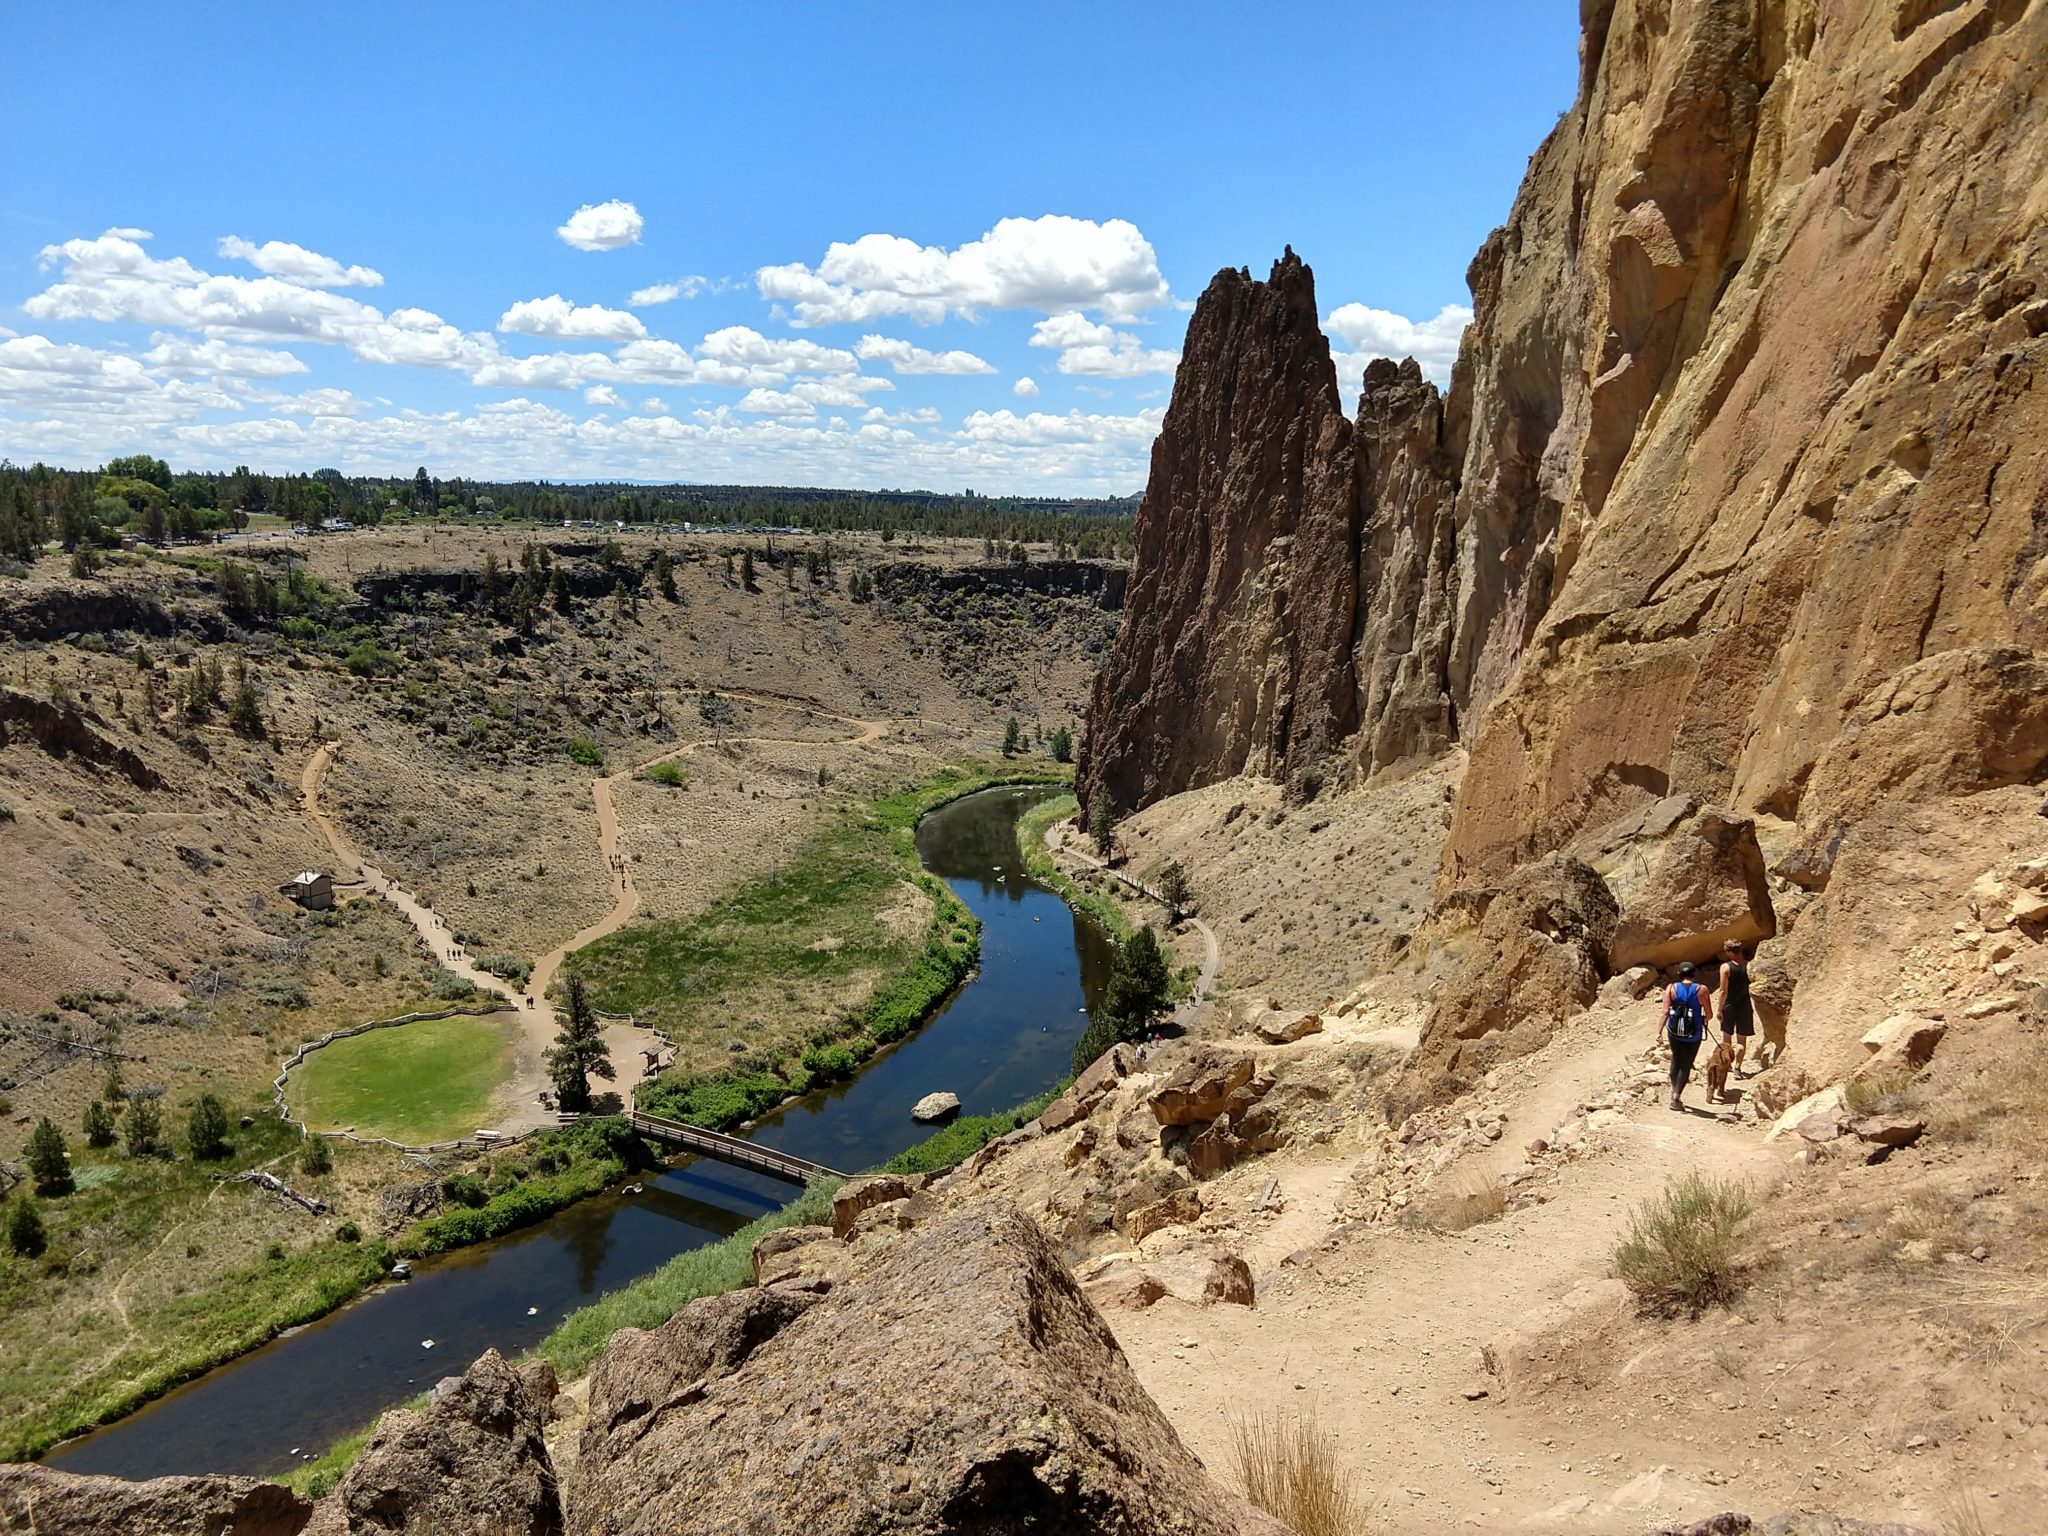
{"points": [[1688, 1010]]}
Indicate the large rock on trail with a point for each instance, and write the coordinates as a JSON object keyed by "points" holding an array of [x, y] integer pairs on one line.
{"points": [[1505, 967], [45, 1502], [962, 1383], [1200, 1089], [1688, 878], [472, 1461]]}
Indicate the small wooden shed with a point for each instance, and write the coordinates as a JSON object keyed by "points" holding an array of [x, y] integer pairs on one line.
{"points": [[310, 888]]}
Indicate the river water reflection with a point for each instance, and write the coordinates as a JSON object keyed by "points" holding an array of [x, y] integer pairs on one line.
{"points": [[1004, 1036]]}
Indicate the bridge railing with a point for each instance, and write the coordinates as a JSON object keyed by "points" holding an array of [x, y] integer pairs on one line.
{"points": [[731, 1149]]}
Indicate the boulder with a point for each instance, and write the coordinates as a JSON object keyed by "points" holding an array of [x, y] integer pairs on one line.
{"points": [[802, 1258], [1103, 1074], [962, 1383], [1904, 1042], [1201, 1089], [645, 1374], [1183, 1208], [935, 1106], [1829, 1101], [1064, 1111], [1118, 1284], [1280, 1027], [1506, 966], [1202, 1278], [38, 1499], [473, 1459], [1687, 878], [1887, 1131], [857, 1195]]}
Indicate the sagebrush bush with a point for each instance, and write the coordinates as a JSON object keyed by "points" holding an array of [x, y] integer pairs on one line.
{"points": [[1680, 1253], [1290, 1467]]}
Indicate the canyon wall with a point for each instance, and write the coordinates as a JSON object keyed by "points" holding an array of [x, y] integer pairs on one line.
{"points": [[1742, 458]]}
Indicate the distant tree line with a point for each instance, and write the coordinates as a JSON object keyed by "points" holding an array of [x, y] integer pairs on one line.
{"points": [[140, 495]]}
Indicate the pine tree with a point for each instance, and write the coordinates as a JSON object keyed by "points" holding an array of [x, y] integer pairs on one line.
{"points": [[99, 1124], [1102, 827], [579, 1052], [1013, 737], [206, 1131], [558, 594], [316, 1159], [25, 1229], [1172, 882], [665, 576], [245, 714], [144, 1124], [1062, 745], [49, 1160], [747, 569]]}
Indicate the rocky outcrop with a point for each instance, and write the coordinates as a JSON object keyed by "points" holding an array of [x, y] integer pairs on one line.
{"points": [[38, 1500], [1736, 493], [1687, 878], [63, 732], [1502, 968], [1286, 611], [960, 1383], [472, 1460]]}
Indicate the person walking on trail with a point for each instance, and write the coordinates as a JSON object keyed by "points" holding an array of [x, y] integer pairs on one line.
{"points": [[1731, 1002], [1686, 1010]]}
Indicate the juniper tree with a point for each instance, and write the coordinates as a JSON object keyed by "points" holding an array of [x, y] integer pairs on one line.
{"points": [[144, 1123], [579, 1052], [206, 1130], [25, 1229], [49, 1160], [98, 1125]]}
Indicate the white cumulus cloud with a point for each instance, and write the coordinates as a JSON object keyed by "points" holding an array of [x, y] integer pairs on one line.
{"points": [[175, 355], [775, 402], [603, 394], [608, 226], [1371, 333], [664, 293], [1100, 351], [903, 357], [294, 263], [556, 316], [1026, 386], [1049, 264]]}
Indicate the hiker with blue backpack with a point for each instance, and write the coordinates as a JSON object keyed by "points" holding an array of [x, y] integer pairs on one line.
{"points": [[1687, 1008]]}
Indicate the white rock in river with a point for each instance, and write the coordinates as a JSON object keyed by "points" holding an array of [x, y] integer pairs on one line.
{"points": [[935, 1106]]}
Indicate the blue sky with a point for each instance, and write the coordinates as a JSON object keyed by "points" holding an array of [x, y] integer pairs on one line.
{"points": [[907, 245]]}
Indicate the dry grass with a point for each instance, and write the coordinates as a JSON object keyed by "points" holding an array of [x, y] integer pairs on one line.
{"points": [[1290, 1466], [1880, 1093], [1467, 1201], [1680, 1253]]}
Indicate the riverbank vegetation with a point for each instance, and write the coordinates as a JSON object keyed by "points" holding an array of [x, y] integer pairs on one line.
{"points": [[801, 974], [155, 1267], [419, 1083], [1085, 895], [528, 1181]]}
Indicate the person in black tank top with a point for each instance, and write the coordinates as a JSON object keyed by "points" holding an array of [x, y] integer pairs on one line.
{"points": [[1738, 1017]]}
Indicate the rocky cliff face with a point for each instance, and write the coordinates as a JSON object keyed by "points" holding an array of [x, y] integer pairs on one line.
{"points": [[1742, 456], [1278, 607]]}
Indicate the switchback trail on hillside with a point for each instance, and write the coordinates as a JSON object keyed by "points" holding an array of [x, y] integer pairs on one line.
{"points": [[1212, 953], [537, 1017]]}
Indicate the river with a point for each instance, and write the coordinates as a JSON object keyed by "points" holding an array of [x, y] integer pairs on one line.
{"points": [[1004, 1036]]}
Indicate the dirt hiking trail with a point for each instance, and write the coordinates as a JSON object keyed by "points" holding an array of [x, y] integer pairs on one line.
{"points": [[520, 1098], [1384, 1332]]}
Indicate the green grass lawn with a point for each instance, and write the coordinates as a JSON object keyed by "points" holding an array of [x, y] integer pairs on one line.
{"points": [[416, 1083]]}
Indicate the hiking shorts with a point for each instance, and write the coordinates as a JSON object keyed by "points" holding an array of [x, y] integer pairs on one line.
{"points": [[1740, 1024]]}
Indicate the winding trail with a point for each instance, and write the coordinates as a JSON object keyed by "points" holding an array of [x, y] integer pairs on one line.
{"points": [[1212, 953], [537, 1018]]}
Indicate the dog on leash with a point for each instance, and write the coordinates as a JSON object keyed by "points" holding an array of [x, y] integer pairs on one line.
{"points": [[1719, 1066]]}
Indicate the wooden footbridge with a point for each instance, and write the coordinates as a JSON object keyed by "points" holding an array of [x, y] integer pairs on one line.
{"points": [[731, 1149]]}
